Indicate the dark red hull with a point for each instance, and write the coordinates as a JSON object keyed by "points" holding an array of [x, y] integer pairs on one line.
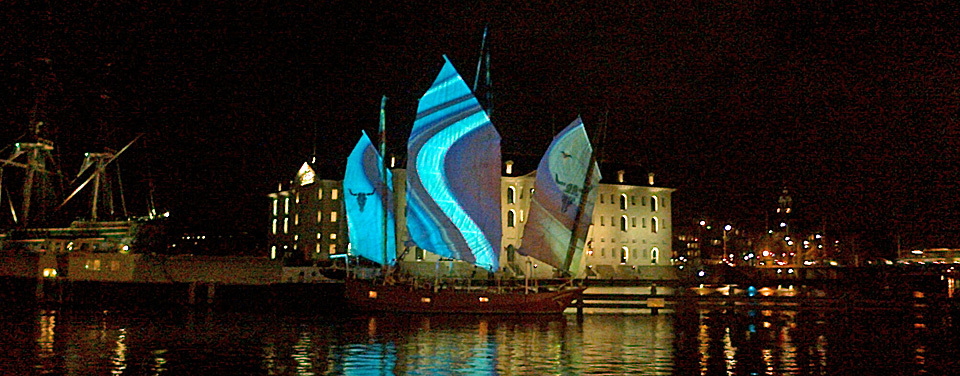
{"points": [[370, 297]]}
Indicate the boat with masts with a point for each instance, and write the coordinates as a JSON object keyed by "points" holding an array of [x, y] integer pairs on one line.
{"points": [[453, 210]]}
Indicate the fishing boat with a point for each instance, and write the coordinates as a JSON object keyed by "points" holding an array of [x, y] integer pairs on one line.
{"points": [[452, 210]]}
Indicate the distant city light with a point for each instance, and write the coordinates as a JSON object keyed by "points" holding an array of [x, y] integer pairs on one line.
{"points": [[727, 228]]}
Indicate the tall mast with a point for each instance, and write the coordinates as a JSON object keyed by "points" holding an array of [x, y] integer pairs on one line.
{"points": [[383, 172]]}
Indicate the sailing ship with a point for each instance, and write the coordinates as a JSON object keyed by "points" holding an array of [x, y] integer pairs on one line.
{"points": [[453, 208]]}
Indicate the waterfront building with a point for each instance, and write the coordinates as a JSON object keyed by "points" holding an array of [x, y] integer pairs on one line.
{"points": [[630, 236], [306, 219]]}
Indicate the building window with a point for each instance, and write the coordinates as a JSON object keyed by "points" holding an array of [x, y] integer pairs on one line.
{"points": [[334, 236], [653, 203], [318, 247], [319, 193], [273, 228], [643, 200], [286, 205], [521, 215], [623, 202], [601, 199], [274, 207], [633, 222], [511, 218], [601, 220], [298, 197], [623, 223], [333, 249], [318, 236], [285, 225], [319, 216], [624, 255], [511, 194], [654, 225], [531, 193], [633, 200], [611, 199], [643, 222], [654, 256], [419, 253], [296, 219], [334, 194], [333, 216], [511, 254], [273, 252], [92, 265]]}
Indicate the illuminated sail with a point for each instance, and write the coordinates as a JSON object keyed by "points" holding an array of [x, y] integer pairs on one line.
{"points": [[367, 201], [556, 216], [453, 175]]}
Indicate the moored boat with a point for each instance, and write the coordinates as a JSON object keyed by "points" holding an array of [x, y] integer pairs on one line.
{"points": [[365, 295]]}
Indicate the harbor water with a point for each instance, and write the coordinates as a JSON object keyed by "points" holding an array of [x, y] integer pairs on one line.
{"points": [[687, 341]]}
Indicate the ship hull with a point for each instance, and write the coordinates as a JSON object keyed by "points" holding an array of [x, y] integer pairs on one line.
{"points": [[367, 296]]}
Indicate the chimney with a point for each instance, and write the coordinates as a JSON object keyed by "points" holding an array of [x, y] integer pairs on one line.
{"points": [[620, 176], [650, 178]]}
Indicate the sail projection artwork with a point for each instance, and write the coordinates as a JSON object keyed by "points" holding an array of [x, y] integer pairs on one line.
{"points": [[369, 199], [557, 225], [453, 174]]}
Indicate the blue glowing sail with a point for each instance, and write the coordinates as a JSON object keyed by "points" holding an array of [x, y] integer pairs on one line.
{"points": [[453, 174], [369, 202], [557, 225]]}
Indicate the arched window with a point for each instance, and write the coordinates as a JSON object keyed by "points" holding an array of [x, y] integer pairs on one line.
{"points": [[653, 203], [623, 223], [624, 255], [623, 202], [511, 194], [511, 218], [654, 225], [654, 255]]}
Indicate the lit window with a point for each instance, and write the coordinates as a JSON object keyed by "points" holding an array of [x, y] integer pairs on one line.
{"points": [[319, 193], [286, 205], [654, 224], [92, 265], [286, 229], [623, 223], [334, 236], [319, 216], [273, 228], [318, 236], [521, 215], [296, 219], [296, 237], [274, 207], [424, 300], [273, 252], [624, 255], [654, 255], [49, 273], [298, 197], [531, 193], [334, 194], [623, 202], [333, 216], [511, 220], [484, 299], [318, 247], [511, 194], [509, 167], [419, 253], [333, 249], [653, 203], [372, 294]]}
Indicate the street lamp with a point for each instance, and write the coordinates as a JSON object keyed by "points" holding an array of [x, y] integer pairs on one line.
{"points": [[725, 229]]}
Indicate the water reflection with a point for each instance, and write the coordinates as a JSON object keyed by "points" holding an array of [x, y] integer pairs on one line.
{"points": [[689, 341]]}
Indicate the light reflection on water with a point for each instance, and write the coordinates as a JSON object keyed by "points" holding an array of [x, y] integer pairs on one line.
{"points": [[688, 342]]}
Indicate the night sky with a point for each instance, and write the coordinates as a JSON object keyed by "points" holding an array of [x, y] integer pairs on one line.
{"points": [[852, 107]]}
